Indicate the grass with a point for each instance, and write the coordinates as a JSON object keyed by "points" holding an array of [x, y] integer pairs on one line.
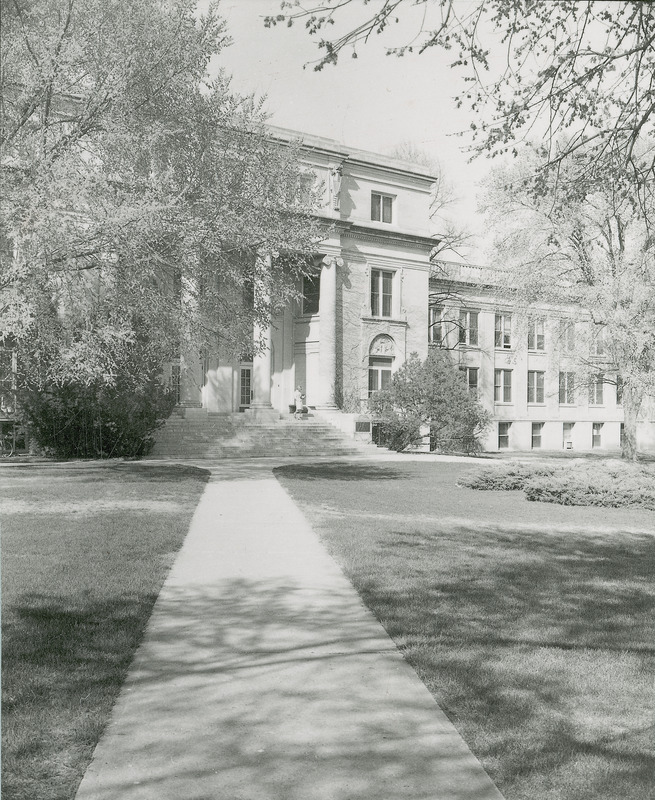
{"points": [[85, 549], [609, 483], [531, 624]]}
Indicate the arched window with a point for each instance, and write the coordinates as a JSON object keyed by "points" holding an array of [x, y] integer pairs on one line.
{"points": [[380, 363]]}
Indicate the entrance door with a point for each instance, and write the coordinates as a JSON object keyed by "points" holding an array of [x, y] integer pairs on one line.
{"points": [[245, 387]]}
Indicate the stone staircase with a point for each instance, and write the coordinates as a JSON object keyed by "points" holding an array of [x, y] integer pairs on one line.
{"points": [[217, 436]]}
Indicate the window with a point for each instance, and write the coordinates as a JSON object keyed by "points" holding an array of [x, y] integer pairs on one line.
{"points": [[536, 336], [596, 391], [7, 381], [622, 435], [379, 373], [381, 207], [596, 434], [381, 292], [503, 331], [535, 387], [471, 375], [599, 341], [566, 335], [436, 328], [567, 388], [567, 435], [468, 328], [503, 435], [503, 385], [537, 428], [311, 290]]}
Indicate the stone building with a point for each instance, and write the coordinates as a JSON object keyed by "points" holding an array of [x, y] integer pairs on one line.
{"points": [[363, 313], [377, 297]]}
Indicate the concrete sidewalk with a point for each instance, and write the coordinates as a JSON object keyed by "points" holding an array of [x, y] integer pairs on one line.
{"points": [[263, 677]]}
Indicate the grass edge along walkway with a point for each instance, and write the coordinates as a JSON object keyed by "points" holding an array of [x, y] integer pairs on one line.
{"points": [[86, 547], [532, 624]]}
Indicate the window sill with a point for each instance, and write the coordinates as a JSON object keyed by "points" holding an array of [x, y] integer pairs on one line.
{"points": [[393, 320], [503, 349], [536, 405]]}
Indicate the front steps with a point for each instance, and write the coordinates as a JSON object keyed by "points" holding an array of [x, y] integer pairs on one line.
{"points": [[218, 436]]}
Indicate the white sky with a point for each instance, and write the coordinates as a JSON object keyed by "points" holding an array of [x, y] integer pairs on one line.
{"points": [[372, 102]]}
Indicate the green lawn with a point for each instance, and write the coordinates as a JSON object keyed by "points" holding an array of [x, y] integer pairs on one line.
{"points": [[532, 624], [85, 549]]}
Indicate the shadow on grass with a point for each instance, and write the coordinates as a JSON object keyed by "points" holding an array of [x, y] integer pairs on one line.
{"points": [[287, 690], [340, 471], [540, 647], [64, 661], [98, 471]]}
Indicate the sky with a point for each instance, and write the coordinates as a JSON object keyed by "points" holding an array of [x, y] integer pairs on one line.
{"points": [[373, 102]]}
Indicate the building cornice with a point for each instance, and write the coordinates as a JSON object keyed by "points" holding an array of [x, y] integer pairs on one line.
{"points": [[380, 236]]}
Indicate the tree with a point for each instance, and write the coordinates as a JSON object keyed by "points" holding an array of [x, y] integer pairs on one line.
{"points": [[433, 394], [452, 235], [588, 247], [142, 204], [533, 69]]}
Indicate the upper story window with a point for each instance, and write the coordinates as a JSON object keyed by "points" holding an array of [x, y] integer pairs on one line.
{"points": [[567, 388], [502, 385], [468, 327], [436, 331], [536, 335], [535, 386], [567, 335], [471, 376], [599, 342], [311, 291], [503, 331], [596, 390], [381, 293], [381, 207]]}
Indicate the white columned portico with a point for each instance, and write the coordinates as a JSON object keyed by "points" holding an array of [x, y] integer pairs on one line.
{"points": [[327, 353]]}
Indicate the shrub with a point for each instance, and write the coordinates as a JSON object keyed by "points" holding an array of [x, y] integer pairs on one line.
{"points": [[96, 421], [430, 394], [615, 484]]}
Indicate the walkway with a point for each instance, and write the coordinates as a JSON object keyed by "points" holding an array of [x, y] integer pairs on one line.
{"points": [[263, 677]]}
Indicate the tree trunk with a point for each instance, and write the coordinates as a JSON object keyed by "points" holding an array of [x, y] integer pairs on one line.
{"points": [[631, 405]]}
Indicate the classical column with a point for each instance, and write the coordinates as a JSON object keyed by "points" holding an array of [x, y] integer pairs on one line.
{"points": [[261, 368], [261, 362], [327, 350]]}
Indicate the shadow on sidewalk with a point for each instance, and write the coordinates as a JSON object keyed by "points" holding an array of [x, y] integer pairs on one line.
{"points": [[265, 689]]}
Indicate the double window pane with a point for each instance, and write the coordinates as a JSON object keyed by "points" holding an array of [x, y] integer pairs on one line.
{"points": [[381, 293], [566, 388], [535, 387], [381, 207], [503, 331], [503, 385], [468, 327], [596, 391], [536, 335]]}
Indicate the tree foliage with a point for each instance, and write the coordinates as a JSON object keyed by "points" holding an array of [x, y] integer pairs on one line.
{"points": [[430, 394], [591, 248], [534, 70], [140, 202]]}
